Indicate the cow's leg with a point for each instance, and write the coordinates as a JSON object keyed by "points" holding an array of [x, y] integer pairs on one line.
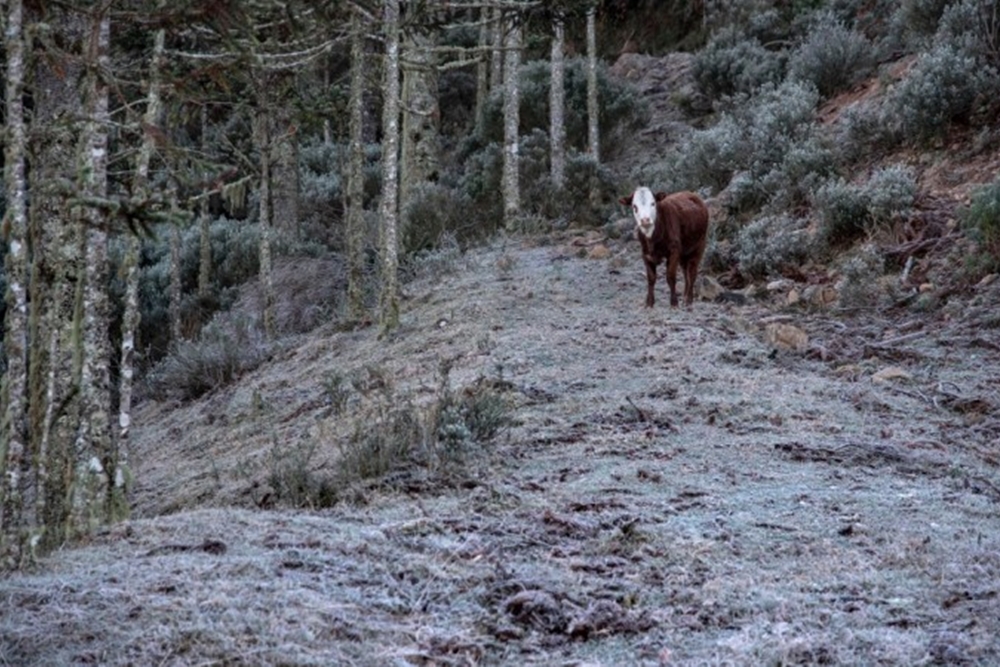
{"points": [[650, 283], [672, 263], [690, 273]]}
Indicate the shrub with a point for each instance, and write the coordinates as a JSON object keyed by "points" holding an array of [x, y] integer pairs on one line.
{"points": [[848, 210], [732, 63], [942, 88], [433, 211], [982, 220], [323, 184], [769, 243], [860, 272], [842, 209], [890, 192], [805, 165], [920, 18], [481, 181], [972, 27], [754, 139], [832, 58], [863, 132], [227, 348], [294, 480]]}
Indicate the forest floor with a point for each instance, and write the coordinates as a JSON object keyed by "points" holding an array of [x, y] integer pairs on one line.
{"points": [[750, 483], [672, 490]]}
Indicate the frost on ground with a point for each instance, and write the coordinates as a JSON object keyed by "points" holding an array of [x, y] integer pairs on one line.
{"points": [[674, 490]]}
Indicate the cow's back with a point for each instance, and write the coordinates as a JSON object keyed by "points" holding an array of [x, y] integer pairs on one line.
{"points": [[689, 214]]}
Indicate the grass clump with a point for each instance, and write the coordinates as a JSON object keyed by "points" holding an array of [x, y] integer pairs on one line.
{"points": [[227, 347]]}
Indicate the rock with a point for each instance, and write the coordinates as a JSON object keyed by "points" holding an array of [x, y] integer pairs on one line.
{"points": [[778, 285], [890, 373], [793, 297], [786, 337], [707, 288], [599, 251], [926, 287], [820, 295]]}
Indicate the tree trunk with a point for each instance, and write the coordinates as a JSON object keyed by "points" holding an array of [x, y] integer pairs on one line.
{"points": [[497, 57], [17, 485], [511, 126], [593, 129], [284, 160], [389, 208], [557, 106], [94, 455], [57, 268], [482, 70], [420, 152], [355, 173], [262, 138], [204, 218], [130, 267], [176, 287]]}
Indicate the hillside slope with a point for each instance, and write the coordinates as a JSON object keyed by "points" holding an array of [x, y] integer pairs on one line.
{"points": [[753, 483]]}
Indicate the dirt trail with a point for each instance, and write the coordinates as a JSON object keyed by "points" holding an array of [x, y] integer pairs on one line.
{"points": [[674, 491]]}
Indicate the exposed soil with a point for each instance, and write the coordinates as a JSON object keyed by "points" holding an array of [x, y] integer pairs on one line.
{"points": [[739, 484]]}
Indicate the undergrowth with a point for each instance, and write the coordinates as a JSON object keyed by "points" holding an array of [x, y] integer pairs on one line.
{"points": [[389, 440]]}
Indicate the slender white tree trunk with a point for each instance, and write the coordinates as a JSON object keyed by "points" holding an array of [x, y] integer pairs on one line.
{"points": [[17, 486], [511, 126], [389, 207], [355, 172], [482, 70], [593, 106], [497, 58], [130, 267], [593, 129], [557, 104], [262, 125], [204, 219]]}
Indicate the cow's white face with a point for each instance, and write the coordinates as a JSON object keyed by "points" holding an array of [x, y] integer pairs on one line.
{"points": [[644, 210]]}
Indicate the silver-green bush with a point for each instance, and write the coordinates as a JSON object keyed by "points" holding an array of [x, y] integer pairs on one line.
{"points": [[833, 57], [942, 88], [732, 63], [849, 210], [765, 245]]}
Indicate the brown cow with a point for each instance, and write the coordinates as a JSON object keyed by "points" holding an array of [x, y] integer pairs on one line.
{"points": [[672, 228]]}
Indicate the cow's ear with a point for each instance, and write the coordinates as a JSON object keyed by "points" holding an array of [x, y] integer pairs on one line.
{"points": [[625, 201], [660, 196]]}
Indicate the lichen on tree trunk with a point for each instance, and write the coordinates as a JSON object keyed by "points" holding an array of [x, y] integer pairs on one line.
{"points": [[511, 126], [389, 208]]}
